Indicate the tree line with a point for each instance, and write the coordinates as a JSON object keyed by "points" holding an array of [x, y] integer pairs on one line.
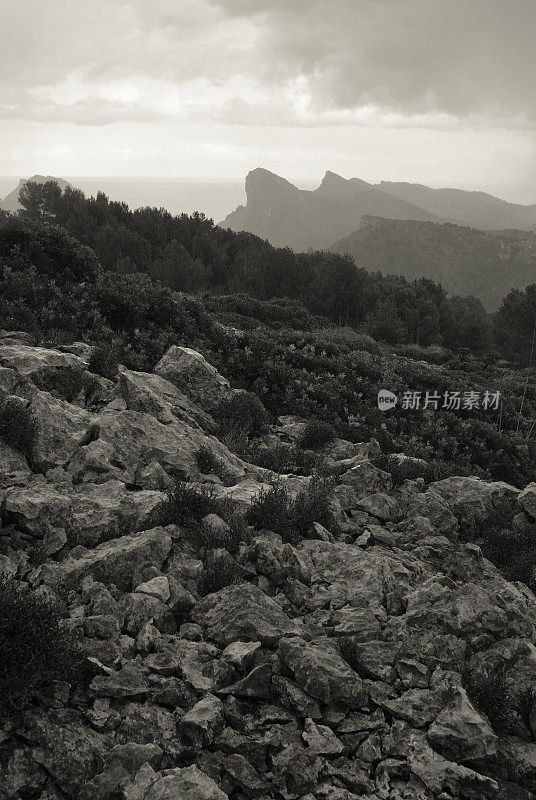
{"points": [[188, 253]]}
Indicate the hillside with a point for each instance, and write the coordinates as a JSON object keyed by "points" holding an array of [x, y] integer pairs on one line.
{"points": [[11, 202], [465, 261], [314, 640], [475, 209], [227, 572], [286, 216]]}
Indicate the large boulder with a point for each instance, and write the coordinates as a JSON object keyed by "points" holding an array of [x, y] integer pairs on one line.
{"points": [[321, 672], [440, 775], [14, 469], [38, 506], [153, 394], [87, 513], [460, 733], [475, 501], [113, 562], [129, 441], [527, 499], [243, 612], [194, 376], [71, 752], [29, 360], [61, 429], [186, 783]]}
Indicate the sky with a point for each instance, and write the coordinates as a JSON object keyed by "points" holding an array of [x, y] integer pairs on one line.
{"points": [[431, 91]]}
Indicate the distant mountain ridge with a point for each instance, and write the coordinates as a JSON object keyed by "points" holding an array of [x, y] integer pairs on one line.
{"points": [[11, 202], [278, 211], [466, 261], [476, 209]]}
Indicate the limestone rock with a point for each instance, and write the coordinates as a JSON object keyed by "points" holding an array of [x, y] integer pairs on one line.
{"points": [[62, 428], [14, 469], [68, 750], [473, 500], [114, 562], [321, 672], [37, 506], [321, 739], [193, 375], [188, 783], [460, 733], [366, 479], [28, 360], [202, 723], [527, 499], [136, 439], [440, 775], [153, 394], [157, 587], [243, 612]]}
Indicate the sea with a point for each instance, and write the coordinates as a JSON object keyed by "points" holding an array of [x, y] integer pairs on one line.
{"points": [[215, 199]]}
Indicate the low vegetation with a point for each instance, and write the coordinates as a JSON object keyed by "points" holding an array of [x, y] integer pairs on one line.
{"points": [[17, 425], [35, 648], [292, 517]]}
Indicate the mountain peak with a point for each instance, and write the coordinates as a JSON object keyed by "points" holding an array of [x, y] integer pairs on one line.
{"points": [[11, 202], [333, 184]]}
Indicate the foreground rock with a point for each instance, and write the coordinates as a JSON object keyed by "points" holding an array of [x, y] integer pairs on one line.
{"points": [[381, 658]]}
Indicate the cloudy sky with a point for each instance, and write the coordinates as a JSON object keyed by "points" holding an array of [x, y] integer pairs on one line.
{"points": [[435, 91]]}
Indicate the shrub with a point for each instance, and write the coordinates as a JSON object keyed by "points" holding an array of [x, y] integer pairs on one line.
{"points": [[67, 382], [275, 510], [18, 425], [512, 551], [104, 361], [218, 576], [312, 505], [283, 458], [35, 649], [317, 433], [272, 509], [210, 537], [186, 504], [242, 412], [207, 462], [409, 469], [500, 699]]}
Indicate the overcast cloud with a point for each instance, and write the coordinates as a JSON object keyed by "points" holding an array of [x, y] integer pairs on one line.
{"points": [[151, 68]]}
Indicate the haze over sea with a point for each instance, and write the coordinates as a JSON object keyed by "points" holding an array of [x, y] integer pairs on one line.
{"points": [[216, 199]]}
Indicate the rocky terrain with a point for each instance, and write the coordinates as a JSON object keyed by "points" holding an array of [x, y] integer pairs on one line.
{"points": [[379, 657]]}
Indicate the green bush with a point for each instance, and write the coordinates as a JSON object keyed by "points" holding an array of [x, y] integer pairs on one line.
{"points": [[512, 551], [500, 700], [210, 537], [275, 510], [104, 361], [282, 458], [218, 576], [186, 504], [207, 462], [35, 649], [409, 469], [244, 413], [67, 382], [18, 425], [317, 433]]}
